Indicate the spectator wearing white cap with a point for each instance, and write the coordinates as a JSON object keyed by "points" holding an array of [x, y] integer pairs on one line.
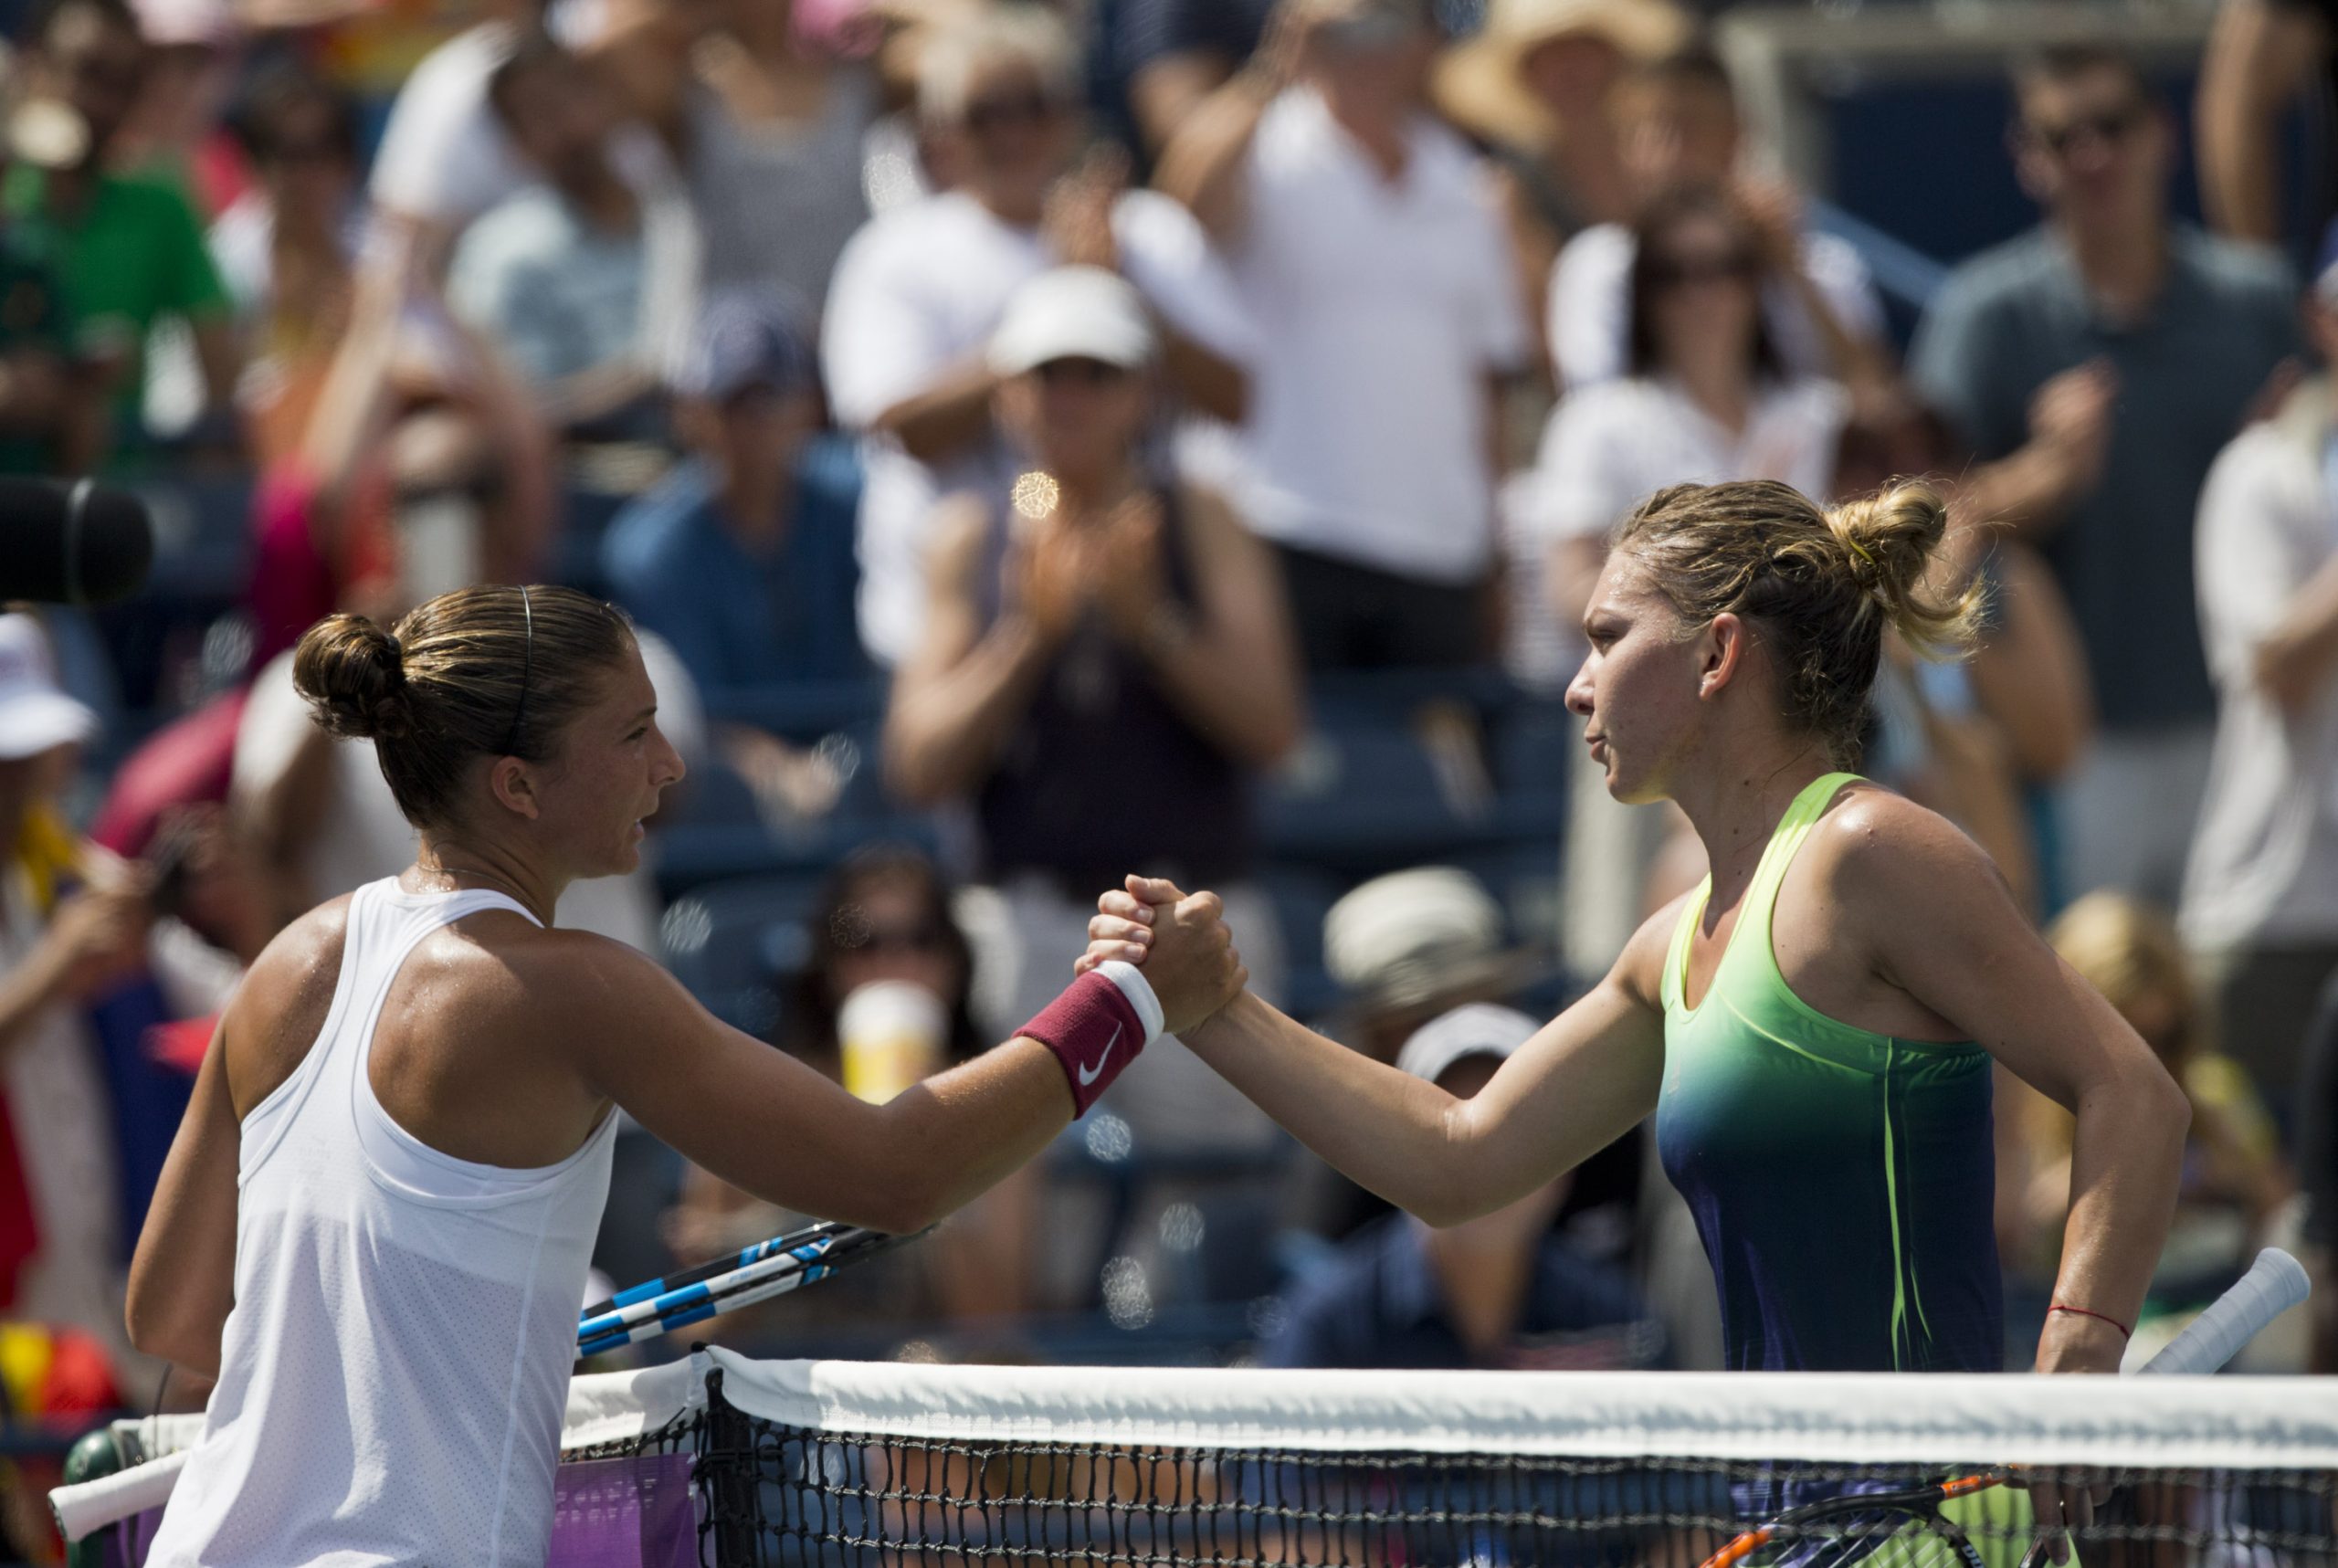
{"points": [[919, 292], [1504, 1291], [73, 925], [1367, 244], [1105, 664], [2260, 890]]}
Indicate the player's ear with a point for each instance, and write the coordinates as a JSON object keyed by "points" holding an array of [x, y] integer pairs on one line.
{"points": [[514, 786], [1725, 645]]}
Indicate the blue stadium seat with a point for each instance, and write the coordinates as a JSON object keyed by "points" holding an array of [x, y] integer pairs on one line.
{"points": [[1364, 797], [734, 943], [585, 516]]}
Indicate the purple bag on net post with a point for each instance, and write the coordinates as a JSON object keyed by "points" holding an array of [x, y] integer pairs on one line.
{"points": [[633, 1512]]}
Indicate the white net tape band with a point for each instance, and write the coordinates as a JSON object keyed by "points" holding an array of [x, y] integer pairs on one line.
{"points": [[1850, 1418], [2231, 1423]]}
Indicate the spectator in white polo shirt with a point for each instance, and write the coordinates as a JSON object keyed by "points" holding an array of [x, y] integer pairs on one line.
{"points": [[2260, 890], [1677, 121], [1364, 237], [920, 289]]}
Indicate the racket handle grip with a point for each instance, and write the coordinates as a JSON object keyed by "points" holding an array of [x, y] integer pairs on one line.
{"points": [[2274, 1283]]}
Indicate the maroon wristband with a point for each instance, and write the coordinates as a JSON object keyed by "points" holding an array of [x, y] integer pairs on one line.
{"points": [[1094, 1030]]}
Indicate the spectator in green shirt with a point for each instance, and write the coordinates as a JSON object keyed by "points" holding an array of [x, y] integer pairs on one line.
{"points": [[132, 244], [45, 426]]}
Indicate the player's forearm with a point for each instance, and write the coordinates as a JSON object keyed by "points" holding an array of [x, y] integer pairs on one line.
{"points": [[959, 1133], [2125, 1161], [1387, 1130]]}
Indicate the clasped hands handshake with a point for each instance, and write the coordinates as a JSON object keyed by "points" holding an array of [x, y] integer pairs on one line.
{"points": [[1180, 941]]}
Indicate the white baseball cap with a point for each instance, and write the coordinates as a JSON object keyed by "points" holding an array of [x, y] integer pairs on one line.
{"points": [[1479, 1030], [34, 714], [1073, 312]]}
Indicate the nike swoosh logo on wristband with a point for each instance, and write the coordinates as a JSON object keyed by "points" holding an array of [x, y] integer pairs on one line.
{"points": [[1090, 1075]]}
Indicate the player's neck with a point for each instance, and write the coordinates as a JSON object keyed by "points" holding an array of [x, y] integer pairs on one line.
{"points": [[1736, 806], [449, 864]]}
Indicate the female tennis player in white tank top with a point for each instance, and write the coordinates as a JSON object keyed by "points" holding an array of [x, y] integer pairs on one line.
{"points": [[374, 1224]]}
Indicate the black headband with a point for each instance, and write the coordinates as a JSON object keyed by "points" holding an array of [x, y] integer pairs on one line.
{"points": [[526, 671]]}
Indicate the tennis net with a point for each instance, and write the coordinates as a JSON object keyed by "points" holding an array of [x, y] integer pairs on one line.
{"points": [[855, 1464]]}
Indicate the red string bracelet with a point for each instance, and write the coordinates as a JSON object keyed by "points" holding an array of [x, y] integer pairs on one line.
{"points": [[2124, 1330]]}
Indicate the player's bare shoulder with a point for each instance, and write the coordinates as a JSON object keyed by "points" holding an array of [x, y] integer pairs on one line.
{"points": [[283, 1003], [1877, 853], [573, 990]]}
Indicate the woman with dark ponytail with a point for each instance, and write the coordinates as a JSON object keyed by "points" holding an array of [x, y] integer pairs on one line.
{"points": [[375, 1226], [1814, 1027]]}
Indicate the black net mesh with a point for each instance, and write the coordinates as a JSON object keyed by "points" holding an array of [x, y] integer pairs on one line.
{"points": [[774, 1494]]}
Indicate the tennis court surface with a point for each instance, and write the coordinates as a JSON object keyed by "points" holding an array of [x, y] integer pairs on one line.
{"points": [[727, 1461]]}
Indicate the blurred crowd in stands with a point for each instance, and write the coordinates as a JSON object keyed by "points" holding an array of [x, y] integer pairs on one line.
{"points": [[1042, 440]]}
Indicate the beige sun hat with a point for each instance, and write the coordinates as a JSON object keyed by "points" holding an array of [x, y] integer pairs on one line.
{"points": [[1420, 941], [1477, 81]]}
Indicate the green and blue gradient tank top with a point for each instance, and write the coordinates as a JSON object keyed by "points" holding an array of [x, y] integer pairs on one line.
{"points": [[1841, 1180]]}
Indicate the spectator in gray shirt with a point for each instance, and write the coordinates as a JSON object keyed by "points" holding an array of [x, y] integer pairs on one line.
{"points": [[2096, 365], [570, 277]]}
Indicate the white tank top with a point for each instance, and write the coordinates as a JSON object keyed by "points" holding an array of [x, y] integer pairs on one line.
{"points": [[396, 1363]]}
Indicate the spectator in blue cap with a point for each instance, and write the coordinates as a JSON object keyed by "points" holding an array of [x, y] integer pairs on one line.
{"points": [[742, 558]]}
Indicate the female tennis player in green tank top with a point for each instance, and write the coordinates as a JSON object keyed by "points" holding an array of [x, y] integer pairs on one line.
{"points": [[1813, 1028]]}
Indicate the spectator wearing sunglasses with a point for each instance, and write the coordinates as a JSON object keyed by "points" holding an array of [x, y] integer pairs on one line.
{"points": [[1707, 399], [883, 918], [1677, 124], [920, 290], [2096, 365]]}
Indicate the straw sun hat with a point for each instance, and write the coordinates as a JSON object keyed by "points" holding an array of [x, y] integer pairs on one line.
{"points": [[1478, 82]]}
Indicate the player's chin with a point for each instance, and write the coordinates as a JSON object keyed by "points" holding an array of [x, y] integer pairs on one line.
{"points": [[626, 853]]}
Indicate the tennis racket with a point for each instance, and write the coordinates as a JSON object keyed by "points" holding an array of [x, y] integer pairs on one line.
{"points": [[757, 1273], [1857, 1524]]}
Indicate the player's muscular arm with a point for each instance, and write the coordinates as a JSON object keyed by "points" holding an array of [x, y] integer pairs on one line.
{"points": [[183, 1275], [762, 1120], [1587, 1078], [1975, 962]]}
